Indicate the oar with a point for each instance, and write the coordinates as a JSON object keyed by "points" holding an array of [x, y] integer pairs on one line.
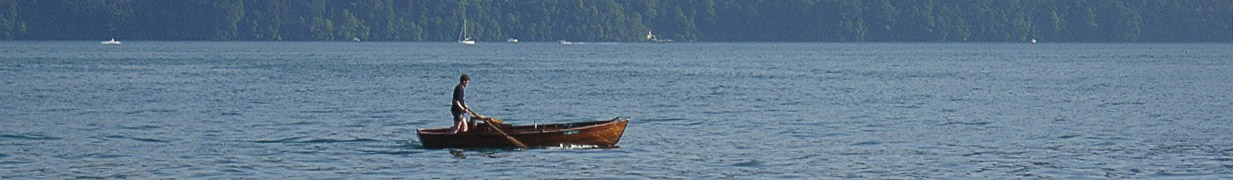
{"points": [[492, 124]]}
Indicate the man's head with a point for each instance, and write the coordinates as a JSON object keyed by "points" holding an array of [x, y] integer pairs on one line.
{"points": [[464, 80]]}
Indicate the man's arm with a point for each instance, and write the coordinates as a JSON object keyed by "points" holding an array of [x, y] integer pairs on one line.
{"points": [[465, 108], [469, 110]]}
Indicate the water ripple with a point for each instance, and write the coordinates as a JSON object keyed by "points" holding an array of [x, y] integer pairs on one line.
{"points": [[307, 140], [140, 139], [27, 137]]}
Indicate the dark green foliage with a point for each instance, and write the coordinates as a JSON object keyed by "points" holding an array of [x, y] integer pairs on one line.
{"points": [[623, 20]]}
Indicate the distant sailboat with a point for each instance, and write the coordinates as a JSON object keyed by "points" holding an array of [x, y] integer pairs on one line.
{"points": [[463, 37], [512, 40], [111, 42], [1033, 40]]}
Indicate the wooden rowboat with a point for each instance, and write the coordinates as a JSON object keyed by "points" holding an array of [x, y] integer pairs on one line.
{"points": [[604, 134]]}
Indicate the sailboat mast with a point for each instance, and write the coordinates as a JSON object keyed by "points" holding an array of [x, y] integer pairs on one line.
{"points": [[463, 37]]}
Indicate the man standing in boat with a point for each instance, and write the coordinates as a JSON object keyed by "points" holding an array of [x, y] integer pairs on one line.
{"points": [[459, 106]]}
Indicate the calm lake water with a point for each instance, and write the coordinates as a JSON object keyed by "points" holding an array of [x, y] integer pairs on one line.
{"points": [[308, 110]]}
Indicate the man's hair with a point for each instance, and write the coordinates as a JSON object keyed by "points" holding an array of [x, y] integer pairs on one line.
{"points": [[464, 78]]}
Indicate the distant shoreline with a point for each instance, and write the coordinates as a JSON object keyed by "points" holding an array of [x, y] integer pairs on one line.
{"points": [[694, 42], [1049, 21]]}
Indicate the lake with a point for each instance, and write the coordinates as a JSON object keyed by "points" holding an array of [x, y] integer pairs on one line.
{"points": [[346, 110]]}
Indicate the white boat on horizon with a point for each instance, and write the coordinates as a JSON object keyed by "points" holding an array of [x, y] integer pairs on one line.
{"points": [[653, 38], [111, 42], [463, 37], [512, 40]]}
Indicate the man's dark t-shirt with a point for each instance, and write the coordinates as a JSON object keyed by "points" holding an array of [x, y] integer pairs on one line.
{"points": [[458, 96]]}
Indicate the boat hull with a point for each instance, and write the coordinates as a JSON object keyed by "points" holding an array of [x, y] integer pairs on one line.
{"points": [[604, 134]]}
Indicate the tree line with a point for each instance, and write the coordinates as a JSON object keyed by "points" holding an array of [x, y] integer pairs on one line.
{"points": [[622, 20]]}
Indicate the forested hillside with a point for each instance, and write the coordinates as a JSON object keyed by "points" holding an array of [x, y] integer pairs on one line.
{"points": [[623, 20]]}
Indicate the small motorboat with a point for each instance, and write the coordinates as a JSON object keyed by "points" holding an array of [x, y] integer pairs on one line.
{"points": [[111, 42], [654, 38], [602, 134]]}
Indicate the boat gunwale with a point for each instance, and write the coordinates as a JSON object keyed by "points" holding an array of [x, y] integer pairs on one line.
{"points": [[422, 131]]}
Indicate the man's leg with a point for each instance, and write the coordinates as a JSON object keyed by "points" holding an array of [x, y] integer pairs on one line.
{"points": [[459, 125], [462, 123]]}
